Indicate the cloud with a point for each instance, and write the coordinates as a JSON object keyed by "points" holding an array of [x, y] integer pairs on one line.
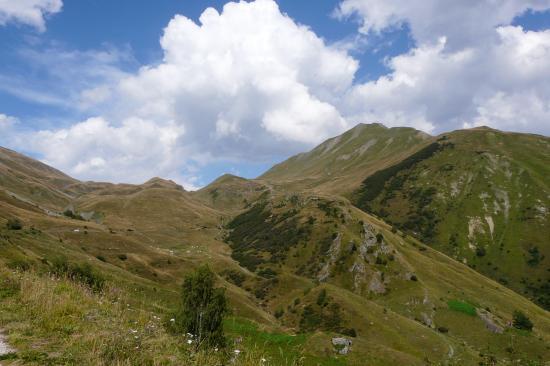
{"points": [[245, 84], [29, 12], [249, 75], [7, 125], [51, 75], [463, 23], [250, 84], [6, 121], [499, 79], [133, 151]]}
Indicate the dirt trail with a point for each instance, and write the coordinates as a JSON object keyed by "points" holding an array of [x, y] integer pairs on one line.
{"points": [[4, 347]]}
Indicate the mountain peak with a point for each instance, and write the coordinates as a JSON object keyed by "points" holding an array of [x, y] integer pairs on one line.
{"points": [[157, 182]]}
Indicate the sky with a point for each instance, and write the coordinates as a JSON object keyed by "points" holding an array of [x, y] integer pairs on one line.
{"points": [[188, 90]]}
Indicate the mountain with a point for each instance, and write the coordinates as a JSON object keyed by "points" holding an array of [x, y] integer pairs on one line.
{"points": [[303, 252], [479, 195], [21, 176], [340, 164]]}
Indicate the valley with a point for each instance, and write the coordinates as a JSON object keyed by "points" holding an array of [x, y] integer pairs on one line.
{"points": [[417, 248]]}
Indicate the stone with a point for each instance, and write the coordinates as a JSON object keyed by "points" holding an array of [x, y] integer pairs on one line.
{"points": [[342, 345]]}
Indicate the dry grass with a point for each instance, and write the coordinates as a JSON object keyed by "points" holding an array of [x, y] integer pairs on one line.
{"points": [[55, 321]]}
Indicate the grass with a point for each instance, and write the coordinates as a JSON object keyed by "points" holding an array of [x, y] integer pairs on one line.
{"points": [[462, 307], [52, 321], [163, 233]]}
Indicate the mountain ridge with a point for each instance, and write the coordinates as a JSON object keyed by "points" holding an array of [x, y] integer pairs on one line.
{"points": [[294, 252]]}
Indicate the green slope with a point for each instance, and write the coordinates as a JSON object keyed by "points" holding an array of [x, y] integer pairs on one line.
{"points": [[300, 263], [321, 264], [481, 196], [339, 164]]}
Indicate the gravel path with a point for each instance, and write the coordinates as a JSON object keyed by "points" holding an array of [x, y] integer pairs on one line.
{"points": [[4, 348]]}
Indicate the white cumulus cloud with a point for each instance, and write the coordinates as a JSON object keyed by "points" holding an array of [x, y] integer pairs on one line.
{"points": [[463, 23], [469, 67], [249, 83], [30, 12], [132, 151], [244, 84]]}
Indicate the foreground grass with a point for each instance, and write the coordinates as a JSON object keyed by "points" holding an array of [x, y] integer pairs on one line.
{"points": [[53, 321]]}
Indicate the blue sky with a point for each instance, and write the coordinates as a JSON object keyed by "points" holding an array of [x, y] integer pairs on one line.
{"points": [[112, 90]]}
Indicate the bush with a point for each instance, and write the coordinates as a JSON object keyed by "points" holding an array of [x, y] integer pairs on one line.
{"points": [[267, 273], [521, 321], [19, 264], [73, 215], [101, 258], [14, 224], [203, 308], [322, 297], [122, 257], [480, 251], [350, 332], [83, 273]]}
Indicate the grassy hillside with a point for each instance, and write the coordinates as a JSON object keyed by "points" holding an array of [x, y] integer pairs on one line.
{"points": [[300, 265], [339, 164], [32, 182], [325, 265], [230, 193], [481, 196]]}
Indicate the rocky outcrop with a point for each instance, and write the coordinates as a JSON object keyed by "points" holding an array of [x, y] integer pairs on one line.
{"points": [[376, 284], [490, 321], [342, 345], [333, 253]]}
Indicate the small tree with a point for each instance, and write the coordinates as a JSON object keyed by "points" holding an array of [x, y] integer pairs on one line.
{"points": [[521, 321], [14, 224], [203, 309]]}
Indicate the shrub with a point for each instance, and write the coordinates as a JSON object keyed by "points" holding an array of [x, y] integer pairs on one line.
{"points": [[83, 273], [101, 258], [350, 332], [279, 313], [536, 257], [19, 264], [414, 278], [480, 251], [235, 277], [73, 215], [122, 257], [14, 224], [521, 321], [443, 329], [322, 297], [267, 273], [203, 308], [379, 237]]}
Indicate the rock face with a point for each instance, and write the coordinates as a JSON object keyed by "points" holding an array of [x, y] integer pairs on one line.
{"points": [[342, 345], [490, 322], [333, 257]]}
